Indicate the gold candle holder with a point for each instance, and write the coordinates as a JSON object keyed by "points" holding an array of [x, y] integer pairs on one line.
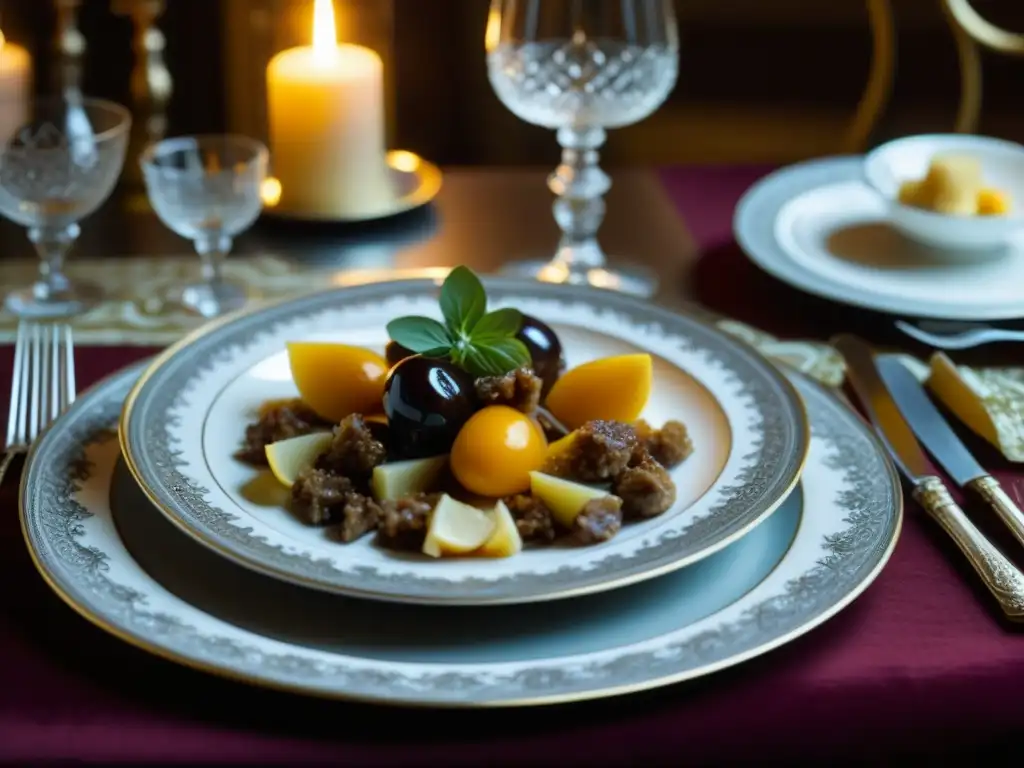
{"points": [[70, 46], [151, 82], [271, 67]]}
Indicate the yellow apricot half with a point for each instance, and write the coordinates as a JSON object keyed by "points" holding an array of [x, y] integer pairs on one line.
{"points": [[337, 380], [612, 388]]}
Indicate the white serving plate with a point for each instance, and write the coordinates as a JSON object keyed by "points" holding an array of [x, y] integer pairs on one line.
{"points": [[186, 418]]}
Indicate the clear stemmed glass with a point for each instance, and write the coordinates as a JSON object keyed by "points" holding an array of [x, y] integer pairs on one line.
{"points": [[580, 67], [55, 169], [207, 188]]}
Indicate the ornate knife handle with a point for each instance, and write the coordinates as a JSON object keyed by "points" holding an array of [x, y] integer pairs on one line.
{"points": [[994, 495], [1003, 579]]}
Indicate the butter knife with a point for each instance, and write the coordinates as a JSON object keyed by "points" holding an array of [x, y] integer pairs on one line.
{"points": [[1000, 576], [942, 442]]}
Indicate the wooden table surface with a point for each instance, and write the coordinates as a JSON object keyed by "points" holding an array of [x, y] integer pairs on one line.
{"points": [[482, 218]]}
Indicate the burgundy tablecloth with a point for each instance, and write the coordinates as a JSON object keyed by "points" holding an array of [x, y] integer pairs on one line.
{"points": [[919, 664]]}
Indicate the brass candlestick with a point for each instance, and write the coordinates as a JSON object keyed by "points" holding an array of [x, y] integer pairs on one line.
{"points": [[151, 83], [70, 46]]}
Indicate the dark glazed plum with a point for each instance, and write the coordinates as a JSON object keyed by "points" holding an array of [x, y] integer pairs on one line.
{"points": [[427, 400], [395, 353], [545, 350]]}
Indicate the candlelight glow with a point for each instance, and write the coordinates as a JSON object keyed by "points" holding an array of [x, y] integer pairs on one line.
{"points": [[404, 161], [2, 39], [270, 192], [325, 37], [492, 36]]}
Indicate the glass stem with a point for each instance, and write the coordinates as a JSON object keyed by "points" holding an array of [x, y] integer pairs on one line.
{"points": [[52, 244], [580, 185], [212, 250]]}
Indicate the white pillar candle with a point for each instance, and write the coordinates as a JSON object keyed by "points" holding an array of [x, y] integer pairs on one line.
{"points": [[326, 111], [15, 86]]}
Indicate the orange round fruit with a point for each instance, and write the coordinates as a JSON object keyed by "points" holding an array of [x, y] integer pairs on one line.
{"points": [[337, 380], [612, 388], [496, 450]]}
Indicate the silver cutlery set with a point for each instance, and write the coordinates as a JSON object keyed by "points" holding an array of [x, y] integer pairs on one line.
{"points": [[903, 415], [954, 334]]}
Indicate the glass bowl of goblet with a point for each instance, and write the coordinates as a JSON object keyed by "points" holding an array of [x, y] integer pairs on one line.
{"points": [[60, 158], [207, 189], [581, 67]]}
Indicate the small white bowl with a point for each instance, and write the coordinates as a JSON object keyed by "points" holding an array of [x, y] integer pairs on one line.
{"points": [[1002, 166]]}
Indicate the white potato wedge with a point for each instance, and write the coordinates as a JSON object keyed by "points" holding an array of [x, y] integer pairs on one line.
{"points": [[287, 458], [456, 529], [405, 478], [564, 498], [505, 541]]}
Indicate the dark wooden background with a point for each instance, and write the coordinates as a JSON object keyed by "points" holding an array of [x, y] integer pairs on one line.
{"points": [[760, 80]]}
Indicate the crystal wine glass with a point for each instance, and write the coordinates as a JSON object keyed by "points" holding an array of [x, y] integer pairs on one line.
{"points": [[580, 67], [56, 168], [207, 188]]}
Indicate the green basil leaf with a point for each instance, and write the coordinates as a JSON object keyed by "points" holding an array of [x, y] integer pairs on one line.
{"points": [[422, 335], [496, 358], [463, 301], [499, 324]]}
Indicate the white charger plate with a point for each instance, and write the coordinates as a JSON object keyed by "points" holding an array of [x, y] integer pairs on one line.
{"points": [[186, 417], [818, 226], [118, 562]]}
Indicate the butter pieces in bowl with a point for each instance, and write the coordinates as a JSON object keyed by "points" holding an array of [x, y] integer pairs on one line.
{"points": [[990, 401], [951, 192], [954, 186]]}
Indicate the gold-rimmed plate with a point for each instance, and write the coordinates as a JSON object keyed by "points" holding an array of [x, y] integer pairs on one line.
{"points": [[186, 418], [117, 561]]}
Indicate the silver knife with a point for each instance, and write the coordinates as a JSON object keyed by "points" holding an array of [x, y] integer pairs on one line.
{"points": [[938, 437], [1000, 576]]}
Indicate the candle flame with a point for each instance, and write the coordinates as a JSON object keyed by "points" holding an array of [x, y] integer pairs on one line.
{"points": [[324, 35], [3, 40]]}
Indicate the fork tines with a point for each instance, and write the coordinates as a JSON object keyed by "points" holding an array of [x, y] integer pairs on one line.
{"points": [[43, 382]]}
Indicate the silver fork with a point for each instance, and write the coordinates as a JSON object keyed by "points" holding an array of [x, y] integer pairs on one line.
{"points": [[957, 335], [42, 386]]}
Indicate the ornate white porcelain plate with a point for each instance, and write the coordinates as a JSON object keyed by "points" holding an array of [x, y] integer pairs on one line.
{"points": [[819, 227], [118, 562], [186, 417]]}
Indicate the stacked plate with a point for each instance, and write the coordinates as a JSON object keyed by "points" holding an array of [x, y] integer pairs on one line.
{"points": [[786, 511], [834, 227]]}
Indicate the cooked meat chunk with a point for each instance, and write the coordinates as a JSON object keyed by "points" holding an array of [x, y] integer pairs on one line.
{"points": [[646, 490], [354, 452], [519, 389], [380, 432], [404, 522], [599, 521], [359, 516], [533, 518], [277, 420], [319, 497], [669, 445], [600, 451]]}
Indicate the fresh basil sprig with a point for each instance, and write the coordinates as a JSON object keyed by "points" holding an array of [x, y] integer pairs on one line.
{"points": [[484, 343]]}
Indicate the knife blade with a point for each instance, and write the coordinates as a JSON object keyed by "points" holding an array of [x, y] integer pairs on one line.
{"points": [[932, 429], [927, 422], [1001, 577]]}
